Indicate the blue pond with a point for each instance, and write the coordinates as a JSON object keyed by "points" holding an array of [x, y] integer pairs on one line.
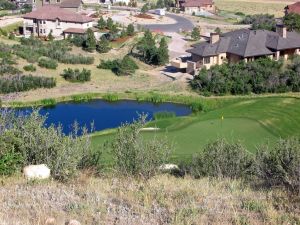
{"points": [[104, 114]]}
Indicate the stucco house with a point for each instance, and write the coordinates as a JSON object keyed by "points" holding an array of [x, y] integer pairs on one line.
{"points": [[243, 44], [56, 19], [197, 6], [293, 8], [73, 5]]}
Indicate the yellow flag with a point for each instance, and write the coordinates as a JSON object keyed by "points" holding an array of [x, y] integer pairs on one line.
{"points": [[222, 118]]}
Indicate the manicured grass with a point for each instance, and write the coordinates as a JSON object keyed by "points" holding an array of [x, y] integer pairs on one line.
{"points": [[252, 121]]}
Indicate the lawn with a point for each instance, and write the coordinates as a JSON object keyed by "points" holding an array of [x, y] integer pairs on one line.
{"points": [[252, 121]]}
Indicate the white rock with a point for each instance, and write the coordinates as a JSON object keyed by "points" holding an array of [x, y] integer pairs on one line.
{"points": [[50, 221], [168, 167], [36, 172], [73, 222]]}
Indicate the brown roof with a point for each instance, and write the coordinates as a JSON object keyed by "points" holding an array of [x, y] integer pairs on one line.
{"points": [[79, 30], [197, 3], [75, 31], [53, 12], [293, 8], [70, 4]]}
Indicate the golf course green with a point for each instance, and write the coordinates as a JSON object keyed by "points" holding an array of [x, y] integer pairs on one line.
{"points": [[252, 121]]}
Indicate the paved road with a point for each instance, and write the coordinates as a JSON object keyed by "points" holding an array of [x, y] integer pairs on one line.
{"points": [[181, 23]]}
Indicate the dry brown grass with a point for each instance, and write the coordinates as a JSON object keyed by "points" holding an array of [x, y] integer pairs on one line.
{"points": [[275, 7], [146, 78], [161, 200]]}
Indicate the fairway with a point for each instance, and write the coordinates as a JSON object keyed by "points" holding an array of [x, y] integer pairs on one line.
{"points": [[251, 121]]}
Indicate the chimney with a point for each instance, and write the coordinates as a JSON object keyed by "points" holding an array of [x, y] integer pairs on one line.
{"points": [[214, 37], [281, 30]]}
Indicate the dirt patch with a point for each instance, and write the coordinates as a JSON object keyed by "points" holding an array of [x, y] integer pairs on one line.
{"points": [[144, 16], [121, 40]]}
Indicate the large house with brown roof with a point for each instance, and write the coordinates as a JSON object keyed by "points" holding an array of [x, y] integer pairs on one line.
{"points": [[53, 18], [293, 8], [243, 44], [73, 5], [197, 6]]}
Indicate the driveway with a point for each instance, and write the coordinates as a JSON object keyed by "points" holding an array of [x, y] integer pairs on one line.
{"points": [[181, 23]]}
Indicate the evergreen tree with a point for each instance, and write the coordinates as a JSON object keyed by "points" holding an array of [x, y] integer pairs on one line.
{"points": [[109, 23], [292, 22], [123, 33], [195, 34], [90, 43], [145, 8], [101, 23], [50, 36], [130, 30], [163, 53], [103, 45]]}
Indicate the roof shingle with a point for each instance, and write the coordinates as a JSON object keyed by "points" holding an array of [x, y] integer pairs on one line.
{"points": [[53, 12]]}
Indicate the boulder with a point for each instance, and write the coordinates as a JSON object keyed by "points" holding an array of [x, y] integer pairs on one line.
{"points": [[73, 222], [37, 172]]}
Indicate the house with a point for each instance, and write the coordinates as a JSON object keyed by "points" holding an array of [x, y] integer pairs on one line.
{"points": [[56, 19], [243, 44], [73, 5], [197, 6], [293, 8]]}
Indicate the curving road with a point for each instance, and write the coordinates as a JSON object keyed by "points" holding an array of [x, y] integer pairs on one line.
{"points": [[181, 23]]}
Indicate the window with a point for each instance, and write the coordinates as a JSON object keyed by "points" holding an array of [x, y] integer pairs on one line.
{"points": [[44, 31], [57, 1], [207, 60], [41, 31], [44, 22]]}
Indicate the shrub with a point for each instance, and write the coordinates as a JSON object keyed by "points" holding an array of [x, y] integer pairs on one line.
{"points": [[78, 40], [164, 115], [260, 21], [76, 76], [48, 63], [130, 30], [48, 102], [19, 83], [134, 156], [126, 66], [10, 161], [260, 76], [30, 68], [222, 159], [28, 136], [103, 45], [111, 97], [279, 165]]}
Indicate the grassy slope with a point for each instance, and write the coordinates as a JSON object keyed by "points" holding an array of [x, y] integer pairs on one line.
{"points": [[252, 121], [253, 7]]}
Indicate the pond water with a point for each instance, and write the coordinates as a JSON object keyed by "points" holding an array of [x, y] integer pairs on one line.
{"points": [[105, 114]]}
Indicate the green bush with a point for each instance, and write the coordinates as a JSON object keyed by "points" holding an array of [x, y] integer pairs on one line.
{"points": [[27, 136], [20, 83], [123, 67], [76, 76], [30, 68], [279, 165], [134, 156], [48, 63], [111, 97], [48, 102], [260, 76], [164, 115], [222, 159], [10, 161]]}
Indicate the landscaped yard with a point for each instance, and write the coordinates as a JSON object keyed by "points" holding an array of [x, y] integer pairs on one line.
{"points": [[253, 121]]}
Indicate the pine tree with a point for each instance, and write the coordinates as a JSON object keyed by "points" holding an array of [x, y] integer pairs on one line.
{"points": [[163, 52], [195, 34], [130, 30], [90, 43], [50, 36], [103, 45], [101, 23], [109, 23]]}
